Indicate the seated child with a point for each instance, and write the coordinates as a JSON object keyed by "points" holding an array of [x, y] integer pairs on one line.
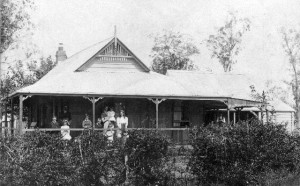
{"points": [[99, 123]]}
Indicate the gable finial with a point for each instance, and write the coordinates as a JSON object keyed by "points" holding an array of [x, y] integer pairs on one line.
{"points": [[115, 36]]}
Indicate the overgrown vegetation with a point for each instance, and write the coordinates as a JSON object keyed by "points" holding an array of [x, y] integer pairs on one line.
{"points": [[44, 159], [246, 154], [39, 158], [147, 157], [250, 153]]}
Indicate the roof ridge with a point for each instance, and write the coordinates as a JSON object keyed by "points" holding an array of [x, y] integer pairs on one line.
{"points": [[201, 72], [90, 46]]}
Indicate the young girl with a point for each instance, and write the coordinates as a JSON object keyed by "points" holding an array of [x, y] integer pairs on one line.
{"points": [[65, 132], [110, 133]]}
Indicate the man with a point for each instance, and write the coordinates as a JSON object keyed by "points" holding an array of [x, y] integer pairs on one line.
{"points": [[65, 114]]}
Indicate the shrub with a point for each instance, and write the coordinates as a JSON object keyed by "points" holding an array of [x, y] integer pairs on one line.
{"points": [[98, 162], [243, 154], [147, 157], [38, 158]]}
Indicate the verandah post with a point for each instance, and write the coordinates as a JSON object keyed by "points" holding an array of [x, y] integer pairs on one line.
{"points": [[234, 117], [20, 114], [156, 108], [12, 119], [94, 120], [94, 101], [5, 117], [156, 102], [228, 115]]}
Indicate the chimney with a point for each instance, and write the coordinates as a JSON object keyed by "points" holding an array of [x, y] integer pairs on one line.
{"points": [[60, 53]]}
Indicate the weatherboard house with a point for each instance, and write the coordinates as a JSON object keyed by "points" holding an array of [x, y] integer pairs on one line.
{"points": [[110, 74]]}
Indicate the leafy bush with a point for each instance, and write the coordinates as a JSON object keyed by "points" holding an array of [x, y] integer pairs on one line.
{"points": [[36, 159], [147, 157], [243, 154], [39, 158], [98, 162]]}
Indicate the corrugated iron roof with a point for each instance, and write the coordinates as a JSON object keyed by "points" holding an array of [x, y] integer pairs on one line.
{"points": [[108, 83], [277, 105], [212, 84], [65, 79]]}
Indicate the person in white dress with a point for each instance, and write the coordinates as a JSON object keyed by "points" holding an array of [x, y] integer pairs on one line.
{"points": [[65, 132], [122, 123], [110, 134]]}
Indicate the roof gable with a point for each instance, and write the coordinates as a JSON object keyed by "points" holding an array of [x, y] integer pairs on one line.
{"points": [[114, 56]]}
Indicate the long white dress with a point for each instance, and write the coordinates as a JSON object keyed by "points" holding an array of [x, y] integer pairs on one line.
{"points": [[65, 132], [122, 123]]}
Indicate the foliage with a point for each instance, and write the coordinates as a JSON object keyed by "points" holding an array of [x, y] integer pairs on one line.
{"points": [[15, 17], [39, 158], [172, 50], [98, 163], [35, 159], [291, 45], [147, 157], [225, 44], [243, 154], [20, 75], [42, 67]]}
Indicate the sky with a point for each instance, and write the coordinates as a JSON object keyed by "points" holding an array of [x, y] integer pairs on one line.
{"points": [[81, 23]]}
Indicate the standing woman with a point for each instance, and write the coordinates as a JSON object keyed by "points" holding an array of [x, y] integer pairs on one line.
{"points": [[122, 122]]}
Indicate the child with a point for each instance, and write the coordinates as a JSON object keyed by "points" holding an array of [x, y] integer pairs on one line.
{"points": [[65, 132], [99, 123], [110, 133]]}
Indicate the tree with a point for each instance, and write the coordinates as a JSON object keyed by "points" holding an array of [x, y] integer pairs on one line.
{"points": [[291, 45], [21, 75], [15, 17], [172, 50], [41, 69], [225, 44]]}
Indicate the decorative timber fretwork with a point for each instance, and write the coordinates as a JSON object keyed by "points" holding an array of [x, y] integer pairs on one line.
{"points": [[114, 56], [113, 50]]}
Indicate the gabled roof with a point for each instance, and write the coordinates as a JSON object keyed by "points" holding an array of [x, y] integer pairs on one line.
{"points": [[69, 78], [95, 71], [103, 58]]}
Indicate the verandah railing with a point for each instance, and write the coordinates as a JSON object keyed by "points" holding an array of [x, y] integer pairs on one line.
{"points": [[176, 135]]}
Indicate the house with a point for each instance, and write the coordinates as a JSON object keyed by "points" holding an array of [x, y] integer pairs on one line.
{"points": [[232, 85], [279, 112], [108, 73]]}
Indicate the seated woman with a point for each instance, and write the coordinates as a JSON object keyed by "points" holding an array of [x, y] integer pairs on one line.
{"points": [[122, 123], [54, 124], [65, 132], [87, 124]]}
